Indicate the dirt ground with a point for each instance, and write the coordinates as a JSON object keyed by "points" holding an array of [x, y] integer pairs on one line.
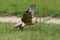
{"points": [[14, 19]]}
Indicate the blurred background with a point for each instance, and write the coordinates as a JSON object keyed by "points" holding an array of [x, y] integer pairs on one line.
{"points": [[17, 7]]}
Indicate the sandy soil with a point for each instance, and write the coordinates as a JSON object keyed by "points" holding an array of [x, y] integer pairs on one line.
{"points": [[42, 19]]}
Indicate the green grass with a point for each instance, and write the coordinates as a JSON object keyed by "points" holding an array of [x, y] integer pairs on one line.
{"points": [[39, 31], [17, 7]]}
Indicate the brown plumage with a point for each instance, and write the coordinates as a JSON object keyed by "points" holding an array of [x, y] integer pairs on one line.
{"points": [[27, 17]]}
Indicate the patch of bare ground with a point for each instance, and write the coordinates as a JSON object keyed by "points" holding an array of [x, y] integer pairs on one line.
{"points": [[15, 19]]}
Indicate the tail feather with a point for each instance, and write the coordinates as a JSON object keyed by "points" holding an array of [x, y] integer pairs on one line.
{"points": [[17, 25], [20, 25]]}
